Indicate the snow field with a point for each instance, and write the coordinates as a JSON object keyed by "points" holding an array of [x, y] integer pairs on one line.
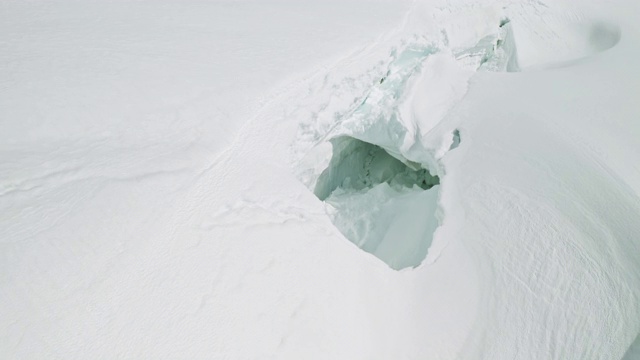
{"points": [[201, 182]]}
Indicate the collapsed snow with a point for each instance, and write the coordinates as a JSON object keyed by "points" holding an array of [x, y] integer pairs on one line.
{"points": [[200, 180], [379, 203]]}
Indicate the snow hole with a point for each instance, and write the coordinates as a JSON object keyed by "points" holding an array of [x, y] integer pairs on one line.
{"points": [[385, 206]]}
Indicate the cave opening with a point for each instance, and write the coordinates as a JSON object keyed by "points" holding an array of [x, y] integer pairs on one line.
{"points": [[385, 206]]}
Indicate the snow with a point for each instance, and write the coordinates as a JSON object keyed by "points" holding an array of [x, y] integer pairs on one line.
{"points": [[373, 197], [345, 180]]}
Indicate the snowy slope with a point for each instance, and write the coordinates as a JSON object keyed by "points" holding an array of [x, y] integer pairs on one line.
{"points": [[359, 180]]}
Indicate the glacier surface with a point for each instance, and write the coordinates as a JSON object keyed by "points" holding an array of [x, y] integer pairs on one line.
{"points": [[445, 179]]}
